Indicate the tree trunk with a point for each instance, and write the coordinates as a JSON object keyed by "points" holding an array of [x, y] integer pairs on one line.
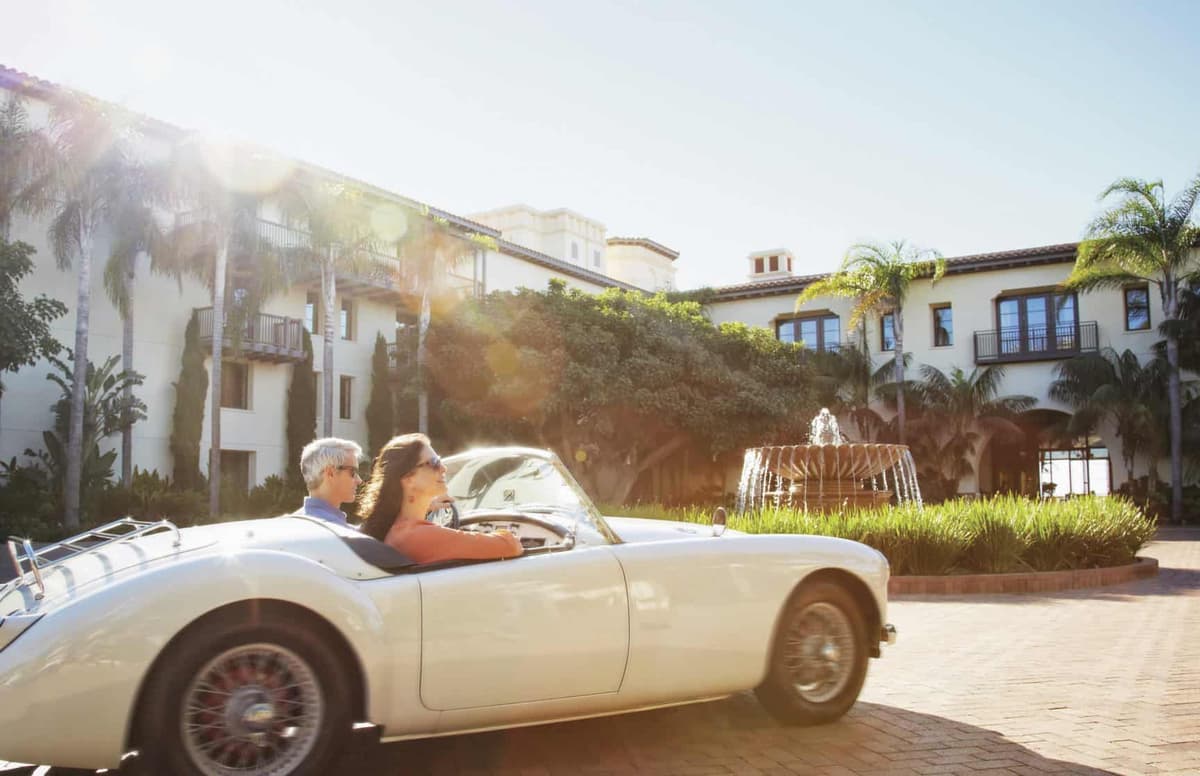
{"points": [[1175, 405], [328, 298], [218, 341], [422, 330], [127, 365], [83, 306], [898, 371]]}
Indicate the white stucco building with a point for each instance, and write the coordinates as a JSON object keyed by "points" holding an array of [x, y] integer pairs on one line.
{"points": [[1002, 308]]}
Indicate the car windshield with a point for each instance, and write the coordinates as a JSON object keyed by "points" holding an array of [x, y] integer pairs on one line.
{"points": [[524, 480]]}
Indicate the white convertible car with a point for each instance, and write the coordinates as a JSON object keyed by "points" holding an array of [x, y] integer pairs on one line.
{"points": [[252, 647]]}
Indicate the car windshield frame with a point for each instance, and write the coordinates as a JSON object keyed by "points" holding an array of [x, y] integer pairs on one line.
{"points": [[484, 491]]}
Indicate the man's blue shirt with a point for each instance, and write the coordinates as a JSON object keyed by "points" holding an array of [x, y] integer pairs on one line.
{"points": [[319, 507]]}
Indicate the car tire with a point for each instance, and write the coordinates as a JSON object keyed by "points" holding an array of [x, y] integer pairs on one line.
{"points": [[265, 698], [818, 657]]}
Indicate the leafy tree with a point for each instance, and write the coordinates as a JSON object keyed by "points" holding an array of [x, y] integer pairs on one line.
{"points": [[956, 411], [380, 409], [1144, 239], [615, 383], [878, 278], [187, 420], [26, 324], [302, 412], [106, 410]]}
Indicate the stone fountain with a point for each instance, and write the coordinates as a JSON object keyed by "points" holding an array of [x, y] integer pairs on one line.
{"points": [[828, 473]]}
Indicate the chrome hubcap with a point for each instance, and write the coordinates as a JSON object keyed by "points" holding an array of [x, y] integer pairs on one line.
{"points": [[819, 651], [253, 710]]}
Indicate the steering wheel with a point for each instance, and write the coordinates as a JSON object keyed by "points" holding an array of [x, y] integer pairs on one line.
{"points": [[513, 517], [446, 516]]}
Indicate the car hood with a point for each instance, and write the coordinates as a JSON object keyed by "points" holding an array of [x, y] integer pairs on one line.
{"points": [[635, 530], [75, 576]]}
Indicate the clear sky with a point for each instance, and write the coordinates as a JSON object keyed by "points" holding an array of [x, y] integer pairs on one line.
{"points": [[715, 128]]}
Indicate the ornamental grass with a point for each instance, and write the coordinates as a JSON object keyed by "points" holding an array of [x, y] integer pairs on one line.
{"points": [[993, 535]]}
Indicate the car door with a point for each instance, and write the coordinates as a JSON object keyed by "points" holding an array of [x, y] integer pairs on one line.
{"points": [[533, 628]]}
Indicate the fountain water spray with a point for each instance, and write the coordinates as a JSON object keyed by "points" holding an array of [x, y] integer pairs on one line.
{"points": [[828, 473]]}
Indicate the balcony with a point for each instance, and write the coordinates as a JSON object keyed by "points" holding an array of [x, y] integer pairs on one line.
{"points": [[1036, 343], [374, 275], [402, 354], [264, 338]]}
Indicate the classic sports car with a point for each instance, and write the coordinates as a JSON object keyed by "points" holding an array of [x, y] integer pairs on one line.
{"points": [[253, 647]]}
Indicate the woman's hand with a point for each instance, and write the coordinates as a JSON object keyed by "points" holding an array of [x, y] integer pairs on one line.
{"points": [[439, 503]]}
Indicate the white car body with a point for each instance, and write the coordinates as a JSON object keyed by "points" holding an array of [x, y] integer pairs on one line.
{"points": [[669, 614]]}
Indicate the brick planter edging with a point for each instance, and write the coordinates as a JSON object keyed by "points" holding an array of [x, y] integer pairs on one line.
{"points": [[1030, 582]]}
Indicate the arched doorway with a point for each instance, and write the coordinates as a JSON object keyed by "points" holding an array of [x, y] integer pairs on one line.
{"points": [[1046, 463]]}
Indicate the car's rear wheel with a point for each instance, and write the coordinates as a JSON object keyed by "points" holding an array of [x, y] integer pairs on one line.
{"points": [[819, 657], [255, 699]]}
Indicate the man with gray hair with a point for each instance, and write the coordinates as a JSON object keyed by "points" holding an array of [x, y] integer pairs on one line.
{"points": [[330, 470]]}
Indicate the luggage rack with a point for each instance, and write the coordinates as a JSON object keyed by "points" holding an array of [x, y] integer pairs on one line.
{"points": [[34, 560]]}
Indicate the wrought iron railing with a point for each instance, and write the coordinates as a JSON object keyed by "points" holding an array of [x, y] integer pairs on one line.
{"points": [[273, 335], [1036, 343]]}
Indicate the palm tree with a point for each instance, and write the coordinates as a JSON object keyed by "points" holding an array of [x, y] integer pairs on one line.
{"points": [[81, 184], [135, 231], [342, 240], [433, 249], [24, 153], [878, 278], [217, 188], [1108, 385], [1144, 239], [956, 408]]}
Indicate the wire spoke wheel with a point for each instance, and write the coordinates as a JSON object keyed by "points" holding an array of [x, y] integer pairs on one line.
{"points": [[253, 710], [819, 651]]}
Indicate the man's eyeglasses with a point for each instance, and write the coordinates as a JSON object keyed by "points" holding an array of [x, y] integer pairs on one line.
{"points": [[352, 469], [433, 463]]}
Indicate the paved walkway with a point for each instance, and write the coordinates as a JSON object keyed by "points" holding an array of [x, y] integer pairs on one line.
{"points": [[1095, 681]]}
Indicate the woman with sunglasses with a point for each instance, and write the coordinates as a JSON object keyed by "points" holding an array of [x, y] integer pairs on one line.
{"points": [[408, 481]]}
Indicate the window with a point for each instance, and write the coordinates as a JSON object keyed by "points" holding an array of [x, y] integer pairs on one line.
{"points": [[1137, 308], [789, 263], [596, 258], [312, 312], [235, 385], [774, 264], [1037, 323], [887, 332], [574, 250], [346, 386], [818, 332], [346, 328], [236, 468], [758, 266], [943, 326]]}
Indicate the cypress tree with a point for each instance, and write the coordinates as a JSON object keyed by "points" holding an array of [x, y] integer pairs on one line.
{"points": [[188, 417], [381, 420], [301, 412]]}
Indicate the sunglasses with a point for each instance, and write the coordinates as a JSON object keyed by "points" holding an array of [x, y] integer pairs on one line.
{"points": [[433, 463]]}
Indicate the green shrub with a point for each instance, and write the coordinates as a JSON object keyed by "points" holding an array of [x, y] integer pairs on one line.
{"points": [[991, 535]]}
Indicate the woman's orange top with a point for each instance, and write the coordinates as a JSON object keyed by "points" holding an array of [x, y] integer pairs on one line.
{"points": [[427, 542]]}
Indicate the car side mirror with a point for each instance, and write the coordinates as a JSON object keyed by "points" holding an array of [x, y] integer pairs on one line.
{"points": [[718, 523]]}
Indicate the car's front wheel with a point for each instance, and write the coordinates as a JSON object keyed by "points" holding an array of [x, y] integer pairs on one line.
{"points": [[819, 657], [268, 698]]}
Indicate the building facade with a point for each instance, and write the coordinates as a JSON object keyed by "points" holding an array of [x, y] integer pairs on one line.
{"points": [[1004, 309]]}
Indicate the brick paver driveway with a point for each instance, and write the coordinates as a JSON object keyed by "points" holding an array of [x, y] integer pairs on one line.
{"points": [[1096, 681]]}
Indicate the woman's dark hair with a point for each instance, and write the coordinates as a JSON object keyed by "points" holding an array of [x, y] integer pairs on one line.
{"points": [[384, 493]]}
